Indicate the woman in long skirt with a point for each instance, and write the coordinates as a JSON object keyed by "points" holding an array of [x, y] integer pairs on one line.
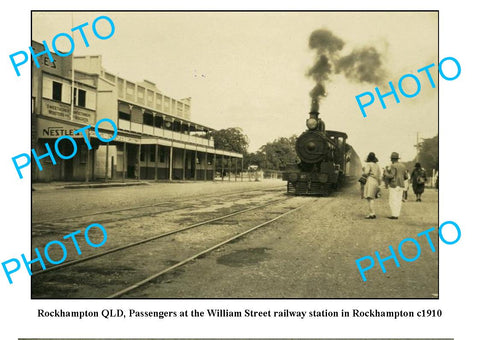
{"points": [[371, 188], [419, 177]]}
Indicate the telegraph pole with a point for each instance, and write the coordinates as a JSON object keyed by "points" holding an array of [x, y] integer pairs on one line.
{"points": [[418, 145]]}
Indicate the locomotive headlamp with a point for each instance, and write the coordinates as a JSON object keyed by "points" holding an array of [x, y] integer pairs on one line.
{"points": [[312, 123], [310, 146]]}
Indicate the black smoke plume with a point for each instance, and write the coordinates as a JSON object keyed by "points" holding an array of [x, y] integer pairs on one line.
{"points": [[327, 46], [362, 65], [325, 42]]}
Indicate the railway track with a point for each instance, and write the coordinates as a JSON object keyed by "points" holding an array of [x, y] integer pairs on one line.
{"points": [[123, 214], [104, 275], [140, 242]]}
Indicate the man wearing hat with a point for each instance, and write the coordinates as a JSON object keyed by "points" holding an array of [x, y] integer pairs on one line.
{"points": [[395, 176]]}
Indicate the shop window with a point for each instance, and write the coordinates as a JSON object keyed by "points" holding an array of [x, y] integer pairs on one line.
{"points": [[57, 91], [142, 155]]}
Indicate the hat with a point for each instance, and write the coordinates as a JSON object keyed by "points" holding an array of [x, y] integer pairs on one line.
{"points": [[394, 155], [417, 165], [371, 157]]}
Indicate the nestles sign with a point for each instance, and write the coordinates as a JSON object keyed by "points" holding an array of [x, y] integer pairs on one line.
{"points": [[83, 132], [48, 129], [56, 131]]}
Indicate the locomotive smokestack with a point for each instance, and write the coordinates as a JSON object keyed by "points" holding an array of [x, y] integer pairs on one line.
{"points": [[313, 122], [315, 105]]}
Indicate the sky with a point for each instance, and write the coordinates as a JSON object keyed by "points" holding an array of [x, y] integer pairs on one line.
{"points": [[248, 69]]}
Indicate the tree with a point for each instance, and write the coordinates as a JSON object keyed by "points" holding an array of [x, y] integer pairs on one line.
{"points": [[428, 155], [231, 139], [280, 152], [274, 155], [254, 158]]}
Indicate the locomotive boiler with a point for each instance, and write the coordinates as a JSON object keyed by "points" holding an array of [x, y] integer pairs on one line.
{"points": [[322, 160]]}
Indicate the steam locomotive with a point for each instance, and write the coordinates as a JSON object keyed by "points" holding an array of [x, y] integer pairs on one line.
{"points": [[323, 159]]}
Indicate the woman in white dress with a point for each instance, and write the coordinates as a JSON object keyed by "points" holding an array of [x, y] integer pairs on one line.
{"points": [[371, 171]]}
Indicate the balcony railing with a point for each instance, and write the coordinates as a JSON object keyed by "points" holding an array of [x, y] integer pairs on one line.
{"points": [[160, 132]]}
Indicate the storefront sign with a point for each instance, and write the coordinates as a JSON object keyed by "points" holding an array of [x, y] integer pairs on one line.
{"points": [[61, 110], [51, 129], [64, 135]]}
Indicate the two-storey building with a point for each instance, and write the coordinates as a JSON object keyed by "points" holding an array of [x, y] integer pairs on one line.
{"points": [[156, 137]]}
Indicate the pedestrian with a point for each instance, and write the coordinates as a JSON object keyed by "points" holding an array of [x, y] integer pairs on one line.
{"points": [[135, 171], [395, 175], [384, 178], [406, 186], [371, 172], [419, 178]]}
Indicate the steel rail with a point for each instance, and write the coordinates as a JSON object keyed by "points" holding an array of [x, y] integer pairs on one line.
{"points": [[193, 257], [148, 206], [113, 250]]}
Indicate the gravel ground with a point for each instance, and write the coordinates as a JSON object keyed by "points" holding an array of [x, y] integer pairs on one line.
{"points": [[312, 252], [48, 203], [102, 277]]}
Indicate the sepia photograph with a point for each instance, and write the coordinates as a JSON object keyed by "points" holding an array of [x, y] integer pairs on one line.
{"points": [[234, 154]]}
